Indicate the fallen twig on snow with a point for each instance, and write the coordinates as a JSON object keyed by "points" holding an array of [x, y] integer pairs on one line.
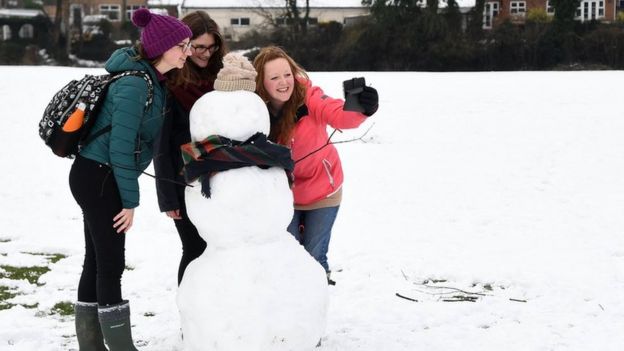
{"points": [[405, 297]]}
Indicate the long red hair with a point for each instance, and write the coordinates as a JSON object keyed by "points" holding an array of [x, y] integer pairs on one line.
{"points": [[281, 131]]}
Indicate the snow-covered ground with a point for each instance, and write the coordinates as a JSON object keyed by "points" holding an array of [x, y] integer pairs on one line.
{"points": [[510, 185]]}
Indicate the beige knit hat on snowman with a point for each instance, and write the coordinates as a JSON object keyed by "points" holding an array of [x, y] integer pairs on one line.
{"points": [[237, 74]]}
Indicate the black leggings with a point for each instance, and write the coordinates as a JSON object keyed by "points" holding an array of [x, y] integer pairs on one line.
{"points": [[192, 244], [95, 190]]}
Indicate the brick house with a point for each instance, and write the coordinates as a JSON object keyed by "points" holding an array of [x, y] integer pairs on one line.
{"points": [[237, 17], [11, 4], [113, 10], [516, 10], [24, 25]]}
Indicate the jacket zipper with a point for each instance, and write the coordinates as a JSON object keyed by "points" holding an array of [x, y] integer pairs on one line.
{"points": [[327, 167]]}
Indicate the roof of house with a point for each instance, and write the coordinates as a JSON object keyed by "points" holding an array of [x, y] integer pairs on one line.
{"points": [[20, 13], [163, 2], [277, 3], [268, 3]]}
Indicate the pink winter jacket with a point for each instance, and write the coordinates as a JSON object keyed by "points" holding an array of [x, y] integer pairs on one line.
{"points": [[320, 174]]}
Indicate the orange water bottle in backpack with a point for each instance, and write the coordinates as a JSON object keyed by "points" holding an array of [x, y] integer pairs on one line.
{"points": [[76, 119]]}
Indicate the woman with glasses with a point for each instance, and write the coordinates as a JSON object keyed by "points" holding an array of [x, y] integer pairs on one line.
{"points": [[104, 176], [188, 84]]}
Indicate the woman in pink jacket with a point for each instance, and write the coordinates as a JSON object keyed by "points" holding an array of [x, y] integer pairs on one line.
{"points": [[300, 114]]}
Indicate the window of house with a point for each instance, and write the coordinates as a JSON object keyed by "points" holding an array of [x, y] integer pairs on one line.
{"points": [[239, 21], [5, 30], [75, 14], [550, 9], [113, 12], [601, 11], [130, 10], [489, 12], [591, 10], [280, 21], [516, 7], [27, 31]]}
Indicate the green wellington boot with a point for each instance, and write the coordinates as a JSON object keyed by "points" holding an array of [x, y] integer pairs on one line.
{"points": [[88, 329], [115, 323]]}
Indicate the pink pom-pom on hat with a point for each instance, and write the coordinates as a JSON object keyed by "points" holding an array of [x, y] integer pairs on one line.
{"points": [[160, 33]]}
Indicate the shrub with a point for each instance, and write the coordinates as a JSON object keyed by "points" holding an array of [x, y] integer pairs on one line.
{"points": [[538, 15]]}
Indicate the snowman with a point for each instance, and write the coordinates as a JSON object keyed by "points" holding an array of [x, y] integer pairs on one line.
{"points": [[254, 287]]}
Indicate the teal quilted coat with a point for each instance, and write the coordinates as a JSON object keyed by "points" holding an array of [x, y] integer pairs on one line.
{"points": [[132, 125]]}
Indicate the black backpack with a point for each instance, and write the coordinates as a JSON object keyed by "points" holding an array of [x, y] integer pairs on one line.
{"points": [[91, 91]]}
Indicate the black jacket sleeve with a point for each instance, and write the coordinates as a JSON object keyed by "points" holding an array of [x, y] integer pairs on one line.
{"points": [[168, 161]]}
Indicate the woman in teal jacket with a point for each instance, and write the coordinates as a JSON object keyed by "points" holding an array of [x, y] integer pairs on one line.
{"points": [[103, 178]]}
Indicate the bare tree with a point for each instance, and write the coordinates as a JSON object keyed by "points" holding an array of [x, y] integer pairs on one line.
{"points": [[293, 17], [299, 23], [60, 32]]}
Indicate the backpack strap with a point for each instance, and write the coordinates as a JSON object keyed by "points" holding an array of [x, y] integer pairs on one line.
{"points": [[148, 101], [94, 136], [145, 76]]}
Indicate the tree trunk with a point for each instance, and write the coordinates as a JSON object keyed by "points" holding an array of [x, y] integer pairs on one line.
{"points": [[124, 4], [68, 31], [306, 18], [59, 39]]}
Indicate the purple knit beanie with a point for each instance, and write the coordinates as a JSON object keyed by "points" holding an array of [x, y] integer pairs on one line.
{"points": [[160, 33]]}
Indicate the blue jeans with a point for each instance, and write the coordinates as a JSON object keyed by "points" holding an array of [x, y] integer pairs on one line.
{"points": [[312, 228]]}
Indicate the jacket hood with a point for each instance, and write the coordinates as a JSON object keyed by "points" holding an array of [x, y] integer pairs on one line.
{"points": [[124, 59]]}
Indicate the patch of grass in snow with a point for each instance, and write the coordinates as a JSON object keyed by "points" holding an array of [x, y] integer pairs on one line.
{"points": [[4, 240], [5, 294], [149, 314], [63, 308], [53, 258], [31, 274]]}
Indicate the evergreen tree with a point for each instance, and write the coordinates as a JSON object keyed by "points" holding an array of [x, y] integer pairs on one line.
{"points": [[565, 11], [453, 16], [475, 25], [563, 27]]}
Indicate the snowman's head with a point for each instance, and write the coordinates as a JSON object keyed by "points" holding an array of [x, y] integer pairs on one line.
{"points": [[233, 109]]}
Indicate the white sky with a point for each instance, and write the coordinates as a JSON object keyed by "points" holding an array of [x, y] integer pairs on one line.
{"points": [[511, 179]]}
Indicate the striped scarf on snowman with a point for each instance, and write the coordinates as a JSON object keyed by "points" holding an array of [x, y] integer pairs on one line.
{"points": [[217, 153]]}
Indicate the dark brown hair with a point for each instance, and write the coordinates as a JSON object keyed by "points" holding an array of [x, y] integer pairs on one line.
{"points": [[200, 24], [282, 130]]}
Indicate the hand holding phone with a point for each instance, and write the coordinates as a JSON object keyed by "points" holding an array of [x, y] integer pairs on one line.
{"points": [[352, 89]]}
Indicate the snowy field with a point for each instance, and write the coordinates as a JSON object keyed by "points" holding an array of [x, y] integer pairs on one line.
{"points": [[496, 200]]}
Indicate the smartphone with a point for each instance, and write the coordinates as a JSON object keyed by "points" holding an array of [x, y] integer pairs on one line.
{"points": [[352, 88], [353, 85]]}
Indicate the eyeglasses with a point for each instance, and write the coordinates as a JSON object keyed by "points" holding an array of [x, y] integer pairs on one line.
{"points": [[200, 49], [185, 46]]}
